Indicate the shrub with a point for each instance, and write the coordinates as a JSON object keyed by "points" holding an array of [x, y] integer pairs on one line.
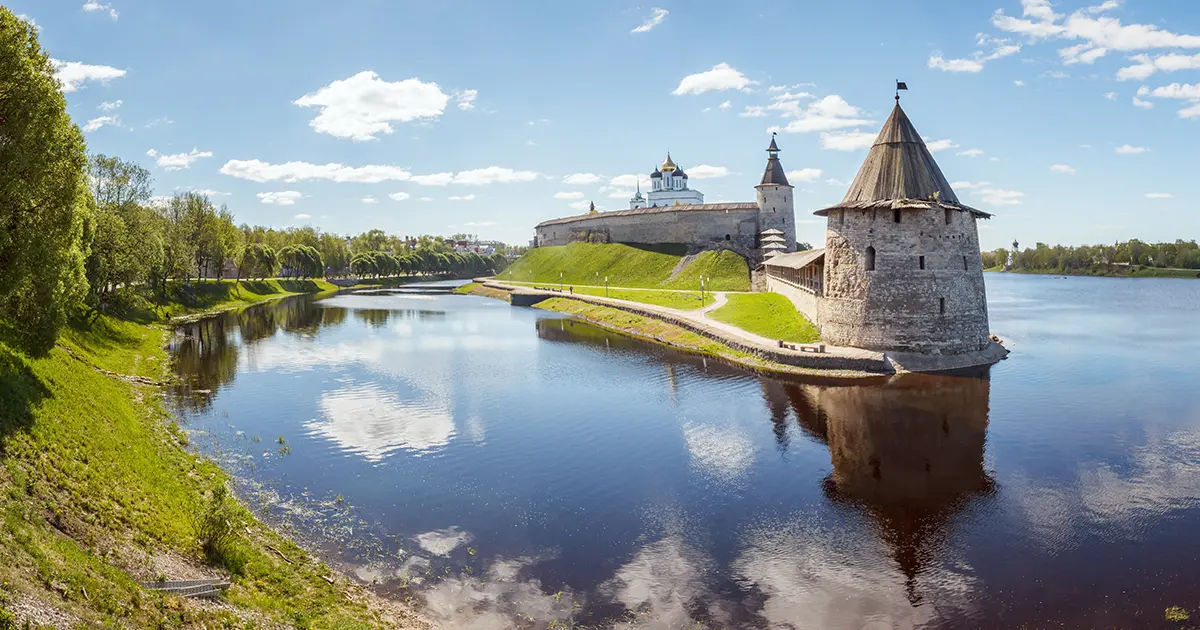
{"points": [[216, 525]]}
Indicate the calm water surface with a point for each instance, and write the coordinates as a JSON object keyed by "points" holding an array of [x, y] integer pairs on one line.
{"points": [[512, 468]]}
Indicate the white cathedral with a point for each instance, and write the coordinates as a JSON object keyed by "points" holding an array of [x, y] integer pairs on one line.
{"points": [[668, 187]]}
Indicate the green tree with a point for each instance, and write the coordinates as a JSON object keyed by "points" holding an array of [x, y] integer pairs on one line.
{"points": [[43, 193]]}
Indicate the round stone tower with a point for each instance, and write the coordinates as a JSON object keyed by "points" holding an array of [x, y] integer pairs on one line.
{"points": [[902, 264], [776, 201]]}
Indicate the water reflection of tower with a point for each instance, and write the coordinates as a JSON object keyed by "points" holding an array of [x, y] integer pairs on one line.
{"points": [[909, 452]]}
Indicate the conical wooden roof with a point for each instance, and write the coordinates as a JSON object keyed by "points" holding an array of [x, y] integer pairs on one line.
{"points": [[899, 166]]}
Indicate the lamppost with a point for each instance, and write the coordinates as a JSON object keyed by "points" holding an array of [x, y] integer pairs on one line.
{"points": [[605, 286], [560, 282], [702, 291]]}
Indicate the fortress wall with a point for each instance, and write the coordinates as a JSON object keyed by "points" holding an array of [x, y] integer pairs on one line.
{"points": [[897, 306], [702, 228]]}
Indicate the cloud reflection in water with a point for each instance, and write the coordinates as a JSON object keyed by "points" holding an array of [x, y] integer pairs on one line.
{"points": [[372, 422]]}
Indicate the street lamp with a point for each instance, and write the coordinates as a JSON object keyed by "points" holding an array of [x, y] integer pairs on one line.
{"points": [[605, 286], [701, 291], [560, 281]]}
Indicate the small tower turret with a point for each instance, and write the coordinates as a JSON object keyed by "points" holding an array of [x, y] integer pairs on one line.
{"points": [[776, 203]]}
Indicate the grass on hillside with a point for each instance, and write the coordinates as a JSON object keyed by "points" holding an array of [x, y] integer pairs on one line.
{"points": [[96, 479], [640, 266], [768, 314], [219, 295]]}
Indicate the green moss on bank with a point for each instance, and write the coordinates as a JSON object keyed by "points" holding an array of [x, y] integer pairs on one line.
{"points": [[768, 314], [639, 266], [97, 482]]}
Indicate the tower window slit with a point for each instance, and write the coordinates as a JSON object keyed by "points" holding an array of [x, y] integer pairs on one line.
{"points": [[942, 305], [949, 216], [921, 259], [965, 263], [895, 216], [870, 259]]}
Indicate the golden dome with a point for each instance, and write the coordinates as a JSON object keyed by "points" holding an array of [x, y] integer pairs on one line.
{"points": [[667, 166]]}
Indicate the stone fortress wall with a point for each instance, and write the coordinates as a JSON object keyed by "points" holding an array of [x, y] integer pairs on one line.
{"points": [[733, 226], [912, 286]]}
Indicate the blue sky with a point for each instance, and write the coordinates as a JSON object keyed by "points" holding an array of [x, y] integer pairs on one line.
{"points": [[1072, 122]]}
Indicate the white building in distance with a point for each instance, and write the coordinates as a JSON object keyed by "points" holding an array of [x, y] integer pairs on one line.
{"points": [[668, 187]]}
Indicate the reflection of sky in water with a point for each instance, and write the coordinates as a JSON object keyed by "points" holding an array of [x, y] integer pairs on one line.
{"points": [[591, 473], [372, 422]]}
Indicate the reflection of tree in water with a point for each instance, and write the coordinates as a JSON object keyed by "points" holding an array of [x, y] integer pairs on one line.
{"points": [[205, 357], [206, 352], [379, 317], [908, 452]]}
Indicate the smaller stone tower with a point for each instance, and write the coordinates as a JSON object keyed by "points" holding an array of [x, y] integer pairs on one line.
{"points": [[775, 198]]}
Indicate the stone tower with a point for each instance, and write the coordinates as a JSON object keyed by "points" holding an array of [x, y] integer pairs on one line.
{"points": [[902, 264], [776, 203]]}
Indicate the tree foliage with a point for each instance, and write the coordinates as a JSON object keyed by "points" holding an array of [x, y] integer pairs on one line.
{"points": [[44, 199], [1091, 259]]}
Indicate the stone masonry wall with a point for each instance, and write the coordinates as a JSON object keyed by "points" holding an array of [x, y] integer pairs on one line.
{"points": [[704, 229], [941, 309]]}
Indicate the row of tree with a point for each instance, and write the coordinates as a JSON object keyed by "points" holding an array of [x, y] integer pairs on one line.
{"points": [[75, 230], [1097, 258]]}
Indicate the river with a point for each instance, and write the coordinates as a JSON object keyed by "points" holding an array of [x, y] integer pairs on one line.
{"points": [[509, 467]]}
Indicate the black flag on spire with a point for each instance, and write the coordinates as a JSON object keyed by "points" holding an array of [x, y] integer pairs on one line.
{"points": [[900, 85]]}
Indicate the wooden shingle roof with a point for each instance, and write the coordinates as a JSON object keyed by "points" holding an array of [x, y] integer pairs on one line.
{"points": [[900, 173]]}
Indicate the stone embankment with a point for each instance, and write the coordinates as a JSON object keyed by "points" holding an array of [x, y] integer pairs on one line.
{"points": [[833, 359]]}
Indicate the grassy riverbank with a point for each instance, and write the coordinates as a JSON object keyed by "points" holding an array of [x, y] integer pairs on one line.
{"points": [[211, 296], [100, 491], [768, 314], [630, 266], [1109, 271]]}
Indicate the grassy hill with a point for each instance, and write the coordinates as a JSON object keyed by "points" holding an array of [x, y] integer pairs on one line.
{"points": [[99, 490], [642, 266], [768, 314]]}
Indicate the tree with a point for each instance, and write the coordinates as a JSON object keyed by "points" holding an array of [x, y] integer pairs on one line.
{"points": [[125, 238], [43, 193]]}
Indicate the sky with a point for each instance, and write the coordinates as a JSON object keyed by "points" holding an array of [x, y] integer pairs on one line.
{"points": [[1073, 122]]}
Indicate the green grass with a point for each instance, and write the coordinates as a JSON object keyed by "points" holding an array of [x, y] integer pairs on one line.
{"points": [[768, 314], [638, 266], [95, 475], [682, 300], [221, 295], [1111, 271]]}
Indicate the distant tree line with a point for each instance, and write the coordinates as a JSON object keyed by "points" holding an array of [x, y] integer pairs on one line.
{"points": [[75, 230], [1097, 259]]}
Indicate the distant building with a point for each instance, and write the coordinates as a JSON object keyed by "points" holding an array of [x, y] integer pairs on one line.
{"points": [[673, 213]]}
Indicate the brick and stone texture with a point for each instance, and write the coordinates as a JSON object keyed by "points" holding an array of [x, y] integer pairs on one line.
{"points": [[736, 230], [938, 309]]}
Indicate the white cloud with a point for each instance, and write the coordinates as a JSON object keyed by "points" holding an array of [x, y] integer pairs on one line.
{"points": [[426, 198], [1001, 197], [847, 140], [477, 177], [1112, 96], [399, 196], [827, 114], [1081, 53], [177, 161], [580, 205], [939, 145], [568, 195], [466, 99], [364, 105], [753, 111], [92, 6], [28, 20], [722, 77], [725, 105], [1146, 66], [804, 175], [530, 143], [1159, 195], [281, 198], [1063, 168], [656, 18], [704, 171], [581, 179], [1191, 112], [369, 199], [74, 74], [971, 153], [108, 106], [96, 123], [969, 185], [939, 62], [1131, 150], [302, 217], [259, 171], [1107, 5], [1137, 102], [470, 197], [208, 192], [1177, 91], [835, 182], [1085, 146], [1018, 83]]}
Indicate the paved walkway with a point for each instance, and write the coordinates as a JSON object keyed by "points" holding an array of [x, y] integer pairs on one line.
{"points": [[698, 321]]}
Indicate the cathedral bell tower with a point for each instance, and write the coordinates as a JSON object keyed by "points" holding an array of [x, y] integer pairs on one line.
{"points": [[776, 203]]}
